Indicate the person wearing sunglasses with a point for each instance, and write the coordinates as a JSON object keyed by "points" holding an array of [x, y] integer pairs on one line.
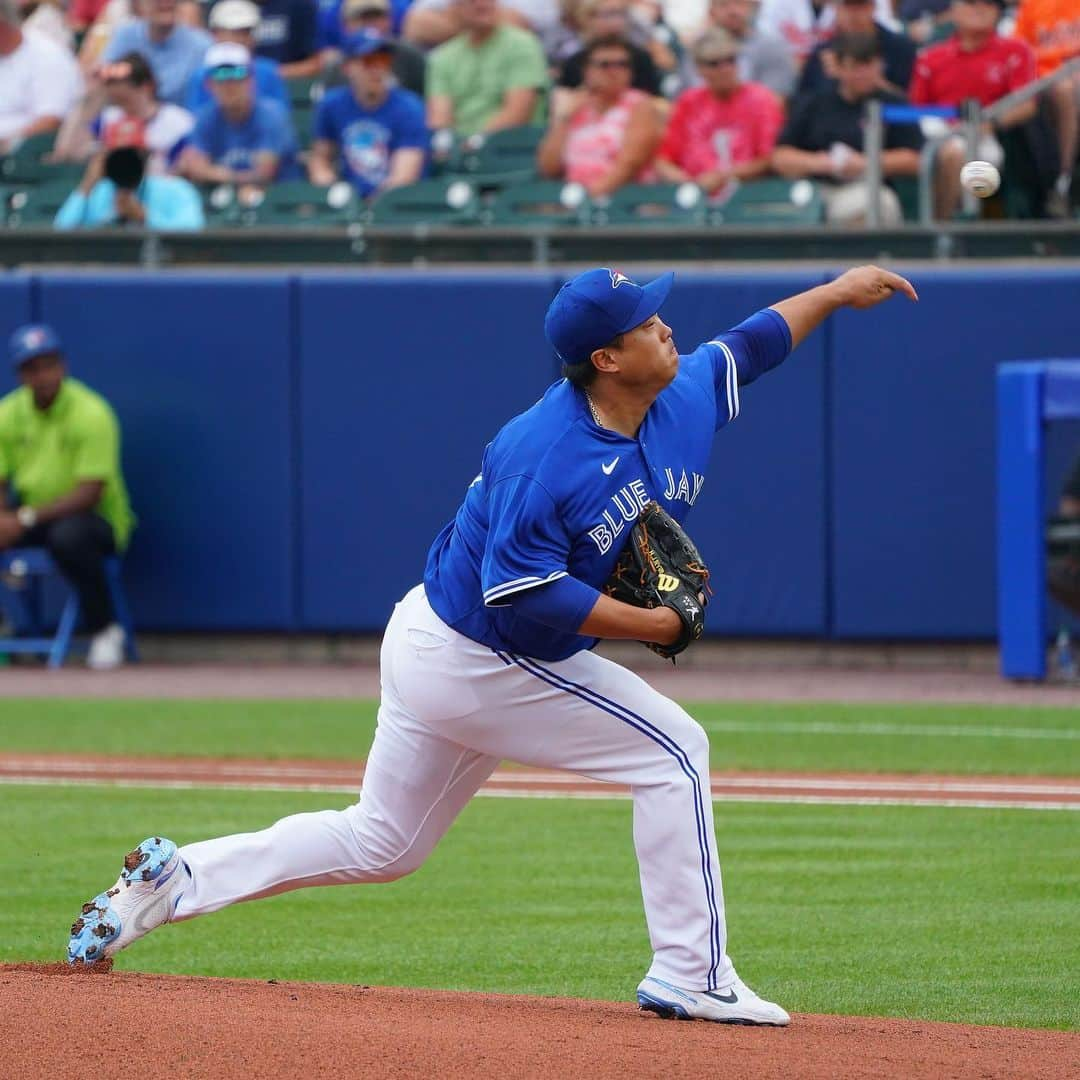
{"points": [[612, 18], [237, 21], [239, 138], [339, 21], [724, 130], [976, 62], [605, 134]]}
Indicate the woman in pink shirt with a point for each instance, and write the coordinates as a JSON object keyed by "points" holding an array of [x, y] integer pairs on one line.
{"points": [[724, 130], [605, 134]]}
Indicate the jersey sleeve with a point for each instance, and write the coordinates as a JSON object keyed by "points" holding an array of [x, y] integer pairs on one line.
{"points": [[527, 544], [735, 358]]}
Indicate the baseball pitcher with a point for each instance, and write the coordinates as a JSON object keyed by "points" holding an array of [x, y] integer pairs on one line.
{"points": [[569, 534]]}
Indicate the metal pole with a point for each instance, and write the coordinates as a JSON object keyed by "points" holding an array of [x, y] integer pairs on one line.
{"points": [[873, 140], [972, 124]]}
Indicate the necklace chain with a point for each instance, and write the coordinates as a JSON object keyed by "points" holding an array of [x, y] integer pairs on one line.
{"points": [[592, 409]]}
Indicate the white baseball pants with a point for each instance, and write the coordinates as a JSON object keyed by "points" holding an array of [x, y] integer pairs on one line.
{"points": [[451, 710]]}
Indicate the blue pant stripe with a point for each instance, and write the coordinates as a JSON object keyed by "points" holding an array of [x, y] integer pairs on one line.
{"points": [[639, 723]]}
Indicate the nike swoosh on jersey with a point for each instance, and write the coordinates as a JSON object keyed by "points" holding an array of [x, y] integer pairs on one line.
{"points": [[609, 469]]}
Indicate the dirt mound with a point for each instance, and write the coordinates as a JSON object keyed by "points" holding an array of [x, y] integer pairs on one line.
{"points": [[124, 1024]]}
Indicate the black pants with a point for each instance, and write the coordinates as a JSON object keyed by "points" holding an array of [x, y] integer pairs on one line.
{"points": [[79, 545]]}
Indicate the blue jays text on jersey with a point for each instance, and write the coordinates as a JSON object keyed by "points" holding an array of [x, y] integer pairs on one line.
{"points": [[556, 492]]}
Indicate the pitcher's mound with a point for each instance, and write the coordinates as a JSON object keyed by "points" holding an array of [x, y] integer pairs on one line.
{"points": [[127, 1024]]}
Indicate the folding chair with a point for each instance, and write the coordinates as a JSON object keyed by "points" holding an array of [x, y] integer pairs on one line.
{"points": [[31, 567]]}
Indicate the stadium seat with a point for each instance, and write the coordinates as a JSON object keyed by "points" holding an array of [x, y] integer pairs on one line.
{"points": [[298, 203], [305, 93], [26, 165], [30, 568], [539, 202], [35, 207], [653, 205], [500, 158], [446, 200], [770, 202]]}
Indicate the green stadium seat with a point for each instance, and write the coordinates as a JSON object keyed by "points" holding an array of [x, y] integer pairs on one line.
{"points": [[539, 202], [653, 205], [35, 206], [305, 93], [25, 165], [298, 203], [447, 200], [303, 119], [770, 202], [499, 158]]}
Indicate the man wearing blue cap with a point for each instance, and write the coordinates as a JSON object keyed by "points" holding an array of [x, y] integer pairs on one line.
{"points": [[376, 127], [60, 457], [491, 657]]}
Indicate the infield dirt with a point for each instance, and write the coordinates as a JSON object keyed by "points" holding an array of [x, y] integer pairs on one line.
{"points": [[56, 1022]]}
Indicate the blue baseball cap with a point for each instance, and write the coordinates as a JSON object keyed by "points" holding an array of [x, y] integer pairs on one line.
{"points": [[365, 42], [35, 339], [595, 307]]}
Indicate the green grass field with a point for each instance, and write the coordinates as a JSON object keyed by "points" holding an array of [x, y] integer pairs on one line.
{"points": [[936, 913], [966, 915], [876, 738]]}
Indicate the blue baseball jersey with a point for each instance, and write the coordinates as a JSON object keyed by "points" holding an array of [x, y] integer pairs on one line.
{"points": [[557, 494]]}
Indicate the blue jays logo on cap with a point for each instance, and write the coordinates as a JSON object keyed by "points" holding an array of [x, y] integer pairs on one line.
{"points": [[597, 306], [35, 339]]}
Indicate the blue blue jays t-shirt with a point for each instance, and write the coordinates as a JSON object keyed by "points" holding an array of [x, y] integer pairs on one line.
{"points": [[267, 129], [368, 137], [557, 494]]}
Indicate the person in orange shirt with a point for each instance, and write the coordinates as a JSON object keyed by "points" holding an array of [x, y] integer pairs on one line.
{"points": [[1052, 29]]}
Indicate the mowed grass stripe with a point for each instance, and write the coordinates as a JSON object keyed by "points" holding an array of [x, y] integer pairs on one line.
{"points": [[939, 914], [811, 736]]}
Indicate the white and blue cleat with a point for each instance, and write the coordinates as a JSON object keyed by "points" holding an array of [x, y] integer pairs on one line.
{"points": [[144, 897], [734, 1004]]}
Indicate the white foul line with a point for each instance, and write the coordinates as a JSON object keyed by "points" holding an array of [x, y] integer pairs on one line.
{"points": [[604, 793]]}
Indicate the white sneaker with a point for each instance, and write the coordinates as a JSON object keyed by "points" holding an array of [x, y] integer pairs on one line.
{"points": [[732, 1004], [106, 648]]}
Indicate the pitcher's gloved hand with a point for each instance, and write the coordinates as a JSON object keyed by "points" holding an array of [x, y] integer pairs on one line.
{"points": [[661, 566]]}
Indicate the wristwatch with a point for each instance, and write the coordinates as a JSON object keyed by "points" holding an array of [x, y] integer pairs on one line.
{"points": [[26, 516]]}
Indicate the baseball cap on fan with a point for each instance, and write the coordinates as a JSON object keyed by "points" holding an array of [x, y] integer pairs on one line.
{"points": [[234, 15], [226, 60], [35, 339], [595, 307]]}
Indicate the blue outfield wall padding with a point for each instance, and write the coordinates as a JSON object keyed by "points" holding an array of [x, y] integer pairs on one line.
{"points": [[913, 460], [760, 521], [1021, 554], [15, 309], [403, 379], [197, 367]]}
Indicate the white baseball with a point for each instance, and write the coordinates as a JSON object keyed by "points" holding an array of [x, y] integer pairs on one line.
{"points": [[980, 178]]}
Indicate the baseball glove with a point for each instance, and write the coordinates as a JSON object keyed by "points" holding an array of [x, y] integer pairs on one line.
{"points": [[661, 565]]}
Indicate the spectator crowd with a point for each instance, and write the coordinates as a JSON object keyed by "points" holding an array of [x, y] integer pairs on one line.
{"points": [[156, 97]]}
